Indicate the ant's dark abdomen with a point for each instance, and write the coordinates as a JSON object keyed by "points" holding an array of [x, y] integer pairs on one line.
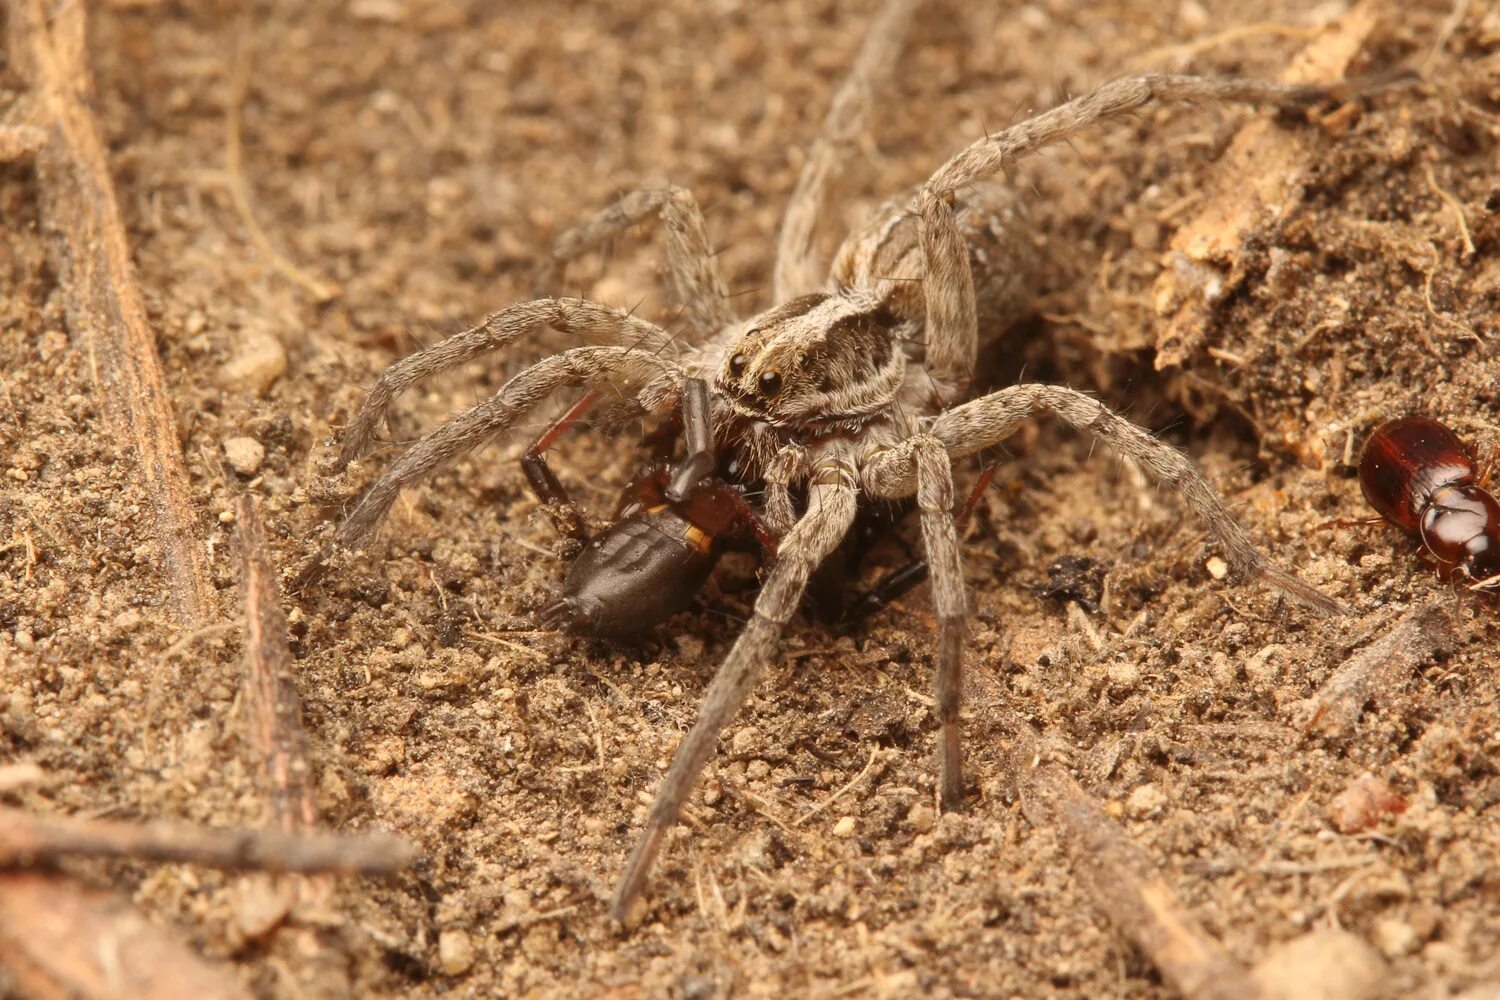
{"points": [[1405, 462], [634, 576]]}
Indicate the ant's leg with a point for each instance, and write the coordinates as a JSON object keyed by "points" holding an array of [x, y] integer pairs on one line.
{"points": [[698, 431], [899, 582], [565, 515]]}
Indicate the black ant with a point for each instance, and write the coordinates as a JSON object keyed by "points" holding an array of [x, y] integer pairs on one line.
{"points": [[1420, 477], [670, 526], [669, 529]]}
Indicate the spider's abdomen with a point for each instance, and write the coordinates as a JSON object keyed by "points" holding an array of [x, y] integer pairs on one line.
{"points": [[1002, 255], [634, 576]]}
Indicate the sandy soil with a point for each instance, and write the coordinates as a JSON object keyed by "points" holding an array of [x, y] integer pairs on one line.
{"points": [[419, 155]]}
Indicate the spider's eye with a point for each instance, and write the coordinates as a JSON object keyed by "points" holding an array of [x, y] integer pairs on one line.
{"points": [[770, 384], [737, 365]]}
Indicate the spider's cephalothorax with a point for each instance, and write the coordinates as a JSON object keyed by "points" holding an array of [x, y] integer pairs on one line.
{"points": [[823, 361], [849, 391]]}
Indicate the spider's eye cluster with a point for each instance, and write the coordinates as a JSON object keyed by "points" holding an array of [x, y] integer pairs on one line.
{"points": [[737, 365], [770, 384]]}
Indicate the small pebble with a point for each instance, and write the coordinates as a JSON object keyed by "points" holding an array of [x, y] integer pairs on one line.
{"points": [[1146, 800], [1396, 937], [257, 363], [455, 952], [844, 827], [261, 904], [1326, 964], [1217, 568], [745, 740], [921, 818], [244, 454], [1365, 804]]}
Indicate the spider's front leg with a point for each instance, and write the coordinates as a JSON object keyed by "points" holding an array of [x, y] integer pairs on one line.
{"points": [[830, 512], [988, 420], [952, 333], [924, 460], [592, 321], [696, 280], [620, 369]]}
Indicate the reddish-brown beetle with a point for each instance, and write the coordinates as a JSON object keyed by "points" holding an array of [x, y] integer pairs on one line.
{"points": [[1420, 477]]}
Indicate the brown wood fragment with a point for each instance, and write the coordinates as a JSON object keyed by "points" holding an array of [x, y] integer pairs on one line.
{"points": [[60, 940], [26, 839], [1255, 185], [1124, 883], [106, 313], [272, 706], [1384, 665]]}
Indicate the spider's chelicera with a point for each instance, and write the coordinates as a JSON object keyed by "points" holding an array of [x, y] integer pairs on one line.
{"points": [[852, 387]]}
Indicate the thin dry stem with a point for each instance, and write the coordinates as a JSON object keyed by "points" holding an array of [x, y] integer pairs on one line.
{"points": [[274, 711], [1122, 880], [27, 839], [239, 189], [105, 311], [60, 940]]}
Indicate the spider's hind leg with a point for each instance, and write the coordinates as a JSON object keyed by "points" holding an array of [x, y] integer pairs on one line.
{"points": [[696, 280]]}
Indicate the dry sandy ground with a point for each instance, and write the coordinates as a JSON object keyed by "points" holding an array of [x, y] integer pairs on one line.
{"points": [[419, 155]]}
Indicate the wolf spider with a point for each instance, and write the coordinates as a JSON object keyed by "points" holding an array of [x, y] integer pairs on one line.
{"points": [[850, 385]]}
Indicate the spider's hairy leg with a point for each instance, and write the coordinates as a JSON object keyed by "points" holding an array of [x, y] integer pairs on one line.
{"points": [[785, 468], [924, 460], [951, 324], [696, 280], [591, 320], [984, 422], [797, 269], [618, 369], [830, 512]]}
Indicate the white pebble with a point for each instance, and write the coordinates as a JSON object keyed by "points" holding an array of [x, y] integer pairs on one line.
{"points": [[257, 363], [455, 952], [244, 454]]}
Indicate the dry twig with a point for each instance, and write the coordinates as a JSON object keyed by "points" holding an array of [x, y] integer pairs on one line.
{"points": [[1256, 182], [1124, 883], [25, 838], [58, 939], [239, 188], [275, 713], [105, 310], [1383, 665]]}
